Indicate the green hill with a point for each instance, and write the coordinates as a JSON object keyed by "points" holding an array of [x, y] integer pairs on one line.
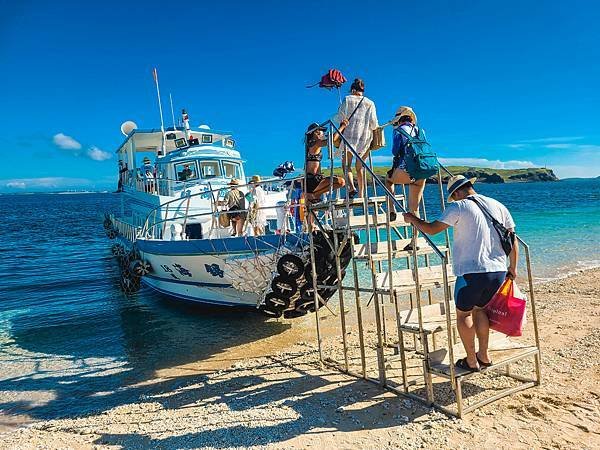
{"points": [[487, 175]]}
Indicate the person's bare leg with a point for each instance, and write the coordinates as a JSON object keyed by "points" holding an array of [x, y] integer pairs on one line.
{"points": [[482, 329], [360, 178], [415, 193], [466, 330], [390, 187], [347, 167]]}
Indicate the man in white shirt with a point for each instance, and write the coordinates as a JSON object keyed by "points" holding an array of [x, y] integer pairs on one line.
{"points": [[479, 261]]}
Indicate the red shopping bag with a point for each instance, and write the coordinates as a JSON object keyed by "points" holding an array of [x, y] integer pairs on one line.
{"points": [[506, 309]]}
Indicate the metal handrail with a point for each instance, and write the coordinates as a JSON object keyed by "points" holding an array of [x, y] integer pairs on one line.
{"points": [[205, 192], [381, 184]]}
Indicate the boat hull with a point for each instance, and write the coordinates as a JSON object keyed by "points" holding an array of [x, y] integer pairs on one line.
{"points": [[234, 271]]}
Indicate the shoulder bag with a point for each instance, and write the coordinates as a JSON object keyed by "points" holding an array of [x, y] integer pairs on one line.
{"points": [[507, 238]]}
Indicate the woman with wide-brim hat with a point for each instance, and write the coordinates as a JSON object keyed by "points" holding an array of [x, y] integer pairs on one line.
{"points": [[404, 120], [236, 204], [257, 215]]}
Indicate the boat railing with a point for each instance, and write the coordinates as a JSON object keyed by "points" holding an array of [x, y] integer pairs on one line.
{"points": [[155, 224]]}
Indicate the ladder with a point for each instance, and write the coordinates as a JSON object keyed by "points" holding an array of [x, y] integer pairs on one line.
{"points": [[401, 333]]}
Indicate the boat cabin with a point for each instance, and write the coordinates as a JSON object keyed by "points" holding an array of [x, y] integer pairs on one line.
{"points": [[181, 160]]}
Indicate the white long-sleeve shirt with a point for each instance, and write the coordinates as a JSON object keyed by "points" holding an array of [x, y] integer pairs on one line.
{"points": [[359, 131]]}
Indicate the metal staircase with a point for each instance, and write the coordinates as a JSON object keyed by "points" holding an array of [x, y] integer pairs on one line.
{"points": [[401, 334]]}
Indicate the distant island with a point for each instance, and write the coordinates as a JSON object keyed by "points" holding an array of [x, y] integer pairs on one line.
{"points": [[486, 175]]}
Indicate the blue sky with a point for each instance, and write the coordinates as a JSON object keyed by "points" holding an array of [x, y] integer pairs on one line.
{"points": [[503, 84]]}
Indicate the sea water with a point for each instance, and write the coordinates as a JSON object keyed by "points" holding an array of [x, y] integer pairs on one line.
{"points": [[71, 341]]}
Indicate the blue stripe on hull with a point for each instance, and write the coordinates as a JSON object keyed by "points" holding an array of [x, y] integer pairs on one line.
{"points": [[232, 245], [204, 301], [189, 283]]}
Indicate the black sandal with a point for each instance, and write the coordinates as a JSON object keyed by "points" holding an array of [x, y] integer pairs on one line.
{"points": [[481, 363], [464, 365]]}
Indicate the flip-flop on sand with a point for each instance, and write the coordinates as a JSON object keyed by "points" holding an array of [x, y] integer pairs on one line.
{"points": [[481, 363], [463, 364]]}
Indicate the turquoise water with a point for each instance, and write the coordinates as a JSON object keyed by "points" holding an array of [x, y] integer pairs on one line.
{"points": [[67, 332]]}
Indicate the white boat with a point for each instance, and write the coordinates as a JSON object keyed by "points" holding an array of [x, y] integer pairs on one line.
{"points": [[168, 232]]}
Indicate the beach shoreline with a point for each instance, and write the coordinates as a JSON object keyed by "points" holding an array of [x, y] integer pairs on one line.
{"points": [[273, 394]]}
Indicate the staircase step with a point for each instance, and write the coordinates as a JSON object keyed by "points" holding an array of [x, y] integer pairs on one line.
{"points": [[403, 281], [358, 222], [339, 203], [433, 317], [502, 349], [379, 250]]}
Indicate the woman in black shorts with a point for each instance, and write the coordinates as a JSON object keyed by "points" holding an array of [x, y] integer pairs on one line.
{"points": [[316, 183]]}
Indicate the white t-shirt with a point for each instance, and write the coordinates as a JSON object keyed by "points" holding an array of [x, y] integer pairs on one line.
{"points": [[476, 246]]}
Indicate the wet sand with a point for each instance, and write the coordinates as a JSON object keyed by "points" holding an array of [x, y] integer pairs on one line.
{"points": [[272, 393]]}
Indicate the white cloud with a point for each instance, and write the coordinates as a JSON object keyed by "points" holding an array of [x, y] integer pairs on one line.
{"points": [[552, 139], [482, 162], [16, 185], [517, 145], [576, 171], [559, 145], [97, 154], [44, 184], [66, 142]]}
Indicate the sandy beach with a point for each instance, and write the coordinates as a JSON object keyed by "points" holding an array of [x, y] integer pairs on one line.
{"points": [[273, 394]]}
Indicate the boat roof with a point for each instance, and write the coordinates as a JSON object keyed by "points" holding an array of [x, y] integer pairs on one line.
{"points": [[150, 140]]}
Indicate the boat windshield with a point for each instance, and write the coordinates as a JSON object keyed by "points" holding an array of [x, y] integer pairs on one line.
{"points": [[210, 169], [232, 170]]}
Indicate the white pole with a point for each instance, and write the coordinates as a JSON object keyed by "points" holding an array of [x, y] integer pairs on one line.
{"points": [[162, 125], [172, 113]]}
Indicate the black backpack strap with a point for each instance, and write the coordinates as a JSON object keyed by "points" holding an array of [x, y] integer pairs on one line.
{"points": [[357, 106], [485, 211]]}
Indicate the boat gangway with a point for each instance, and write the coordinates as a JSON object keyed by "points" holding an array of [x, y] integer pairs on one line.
{"points": [[396, 326]]}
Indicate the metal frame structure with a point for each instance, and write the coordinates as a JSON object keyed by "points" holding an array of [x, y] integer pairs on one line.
{"points": [[425, 320]]}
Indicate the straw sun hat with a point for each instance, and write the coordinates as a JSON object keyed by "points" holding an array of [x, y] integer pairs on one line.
{"points": [[405, 111], [234, 182], [255, 179], [455, 182]]}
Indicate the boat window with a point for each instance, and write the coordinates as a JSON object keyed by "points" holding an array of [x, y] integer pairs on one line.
{"points": [[232, 170], [186, 171], [210, 169]]}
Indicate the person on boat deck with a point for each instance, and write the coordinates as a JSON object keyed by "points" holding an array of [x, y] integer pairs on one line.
{"points": [[404, 120], [148, 175], [358, 118], [479, 261], [186, 173], [236, 203], [316, 183], [257, 216], [122, 175]]}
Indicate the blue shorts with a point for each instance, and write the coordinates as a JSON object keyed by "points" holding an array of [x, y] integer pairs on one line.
{"points": [[476, 289]]}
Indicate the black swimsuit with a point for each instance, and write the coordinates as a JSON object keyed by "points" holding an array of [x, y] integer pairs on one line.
{"points": [[313, 179]]}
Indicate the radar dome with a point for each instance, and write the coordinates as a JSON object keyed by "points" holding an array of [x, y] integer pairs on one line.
{"points": [[127, 127], [204, 127]]}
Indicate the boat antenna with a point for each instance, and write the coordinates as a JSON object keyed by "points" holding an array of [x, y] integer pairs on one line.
{"points": [[172, 113], [162, 124]]}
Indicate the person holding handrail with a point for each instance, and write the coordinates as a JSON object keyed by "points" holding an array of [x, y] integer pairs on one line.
{"points": [[236, 204], [316, 183], [358, 118], [405, 124], [480, 249]]}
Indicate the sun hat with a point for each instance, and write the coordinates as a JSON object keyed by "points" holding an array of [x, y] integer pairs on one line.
{"points": [[255, 179], [314, 127], [234, 182], [405, 111], [146, 159], [455, 182]]}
